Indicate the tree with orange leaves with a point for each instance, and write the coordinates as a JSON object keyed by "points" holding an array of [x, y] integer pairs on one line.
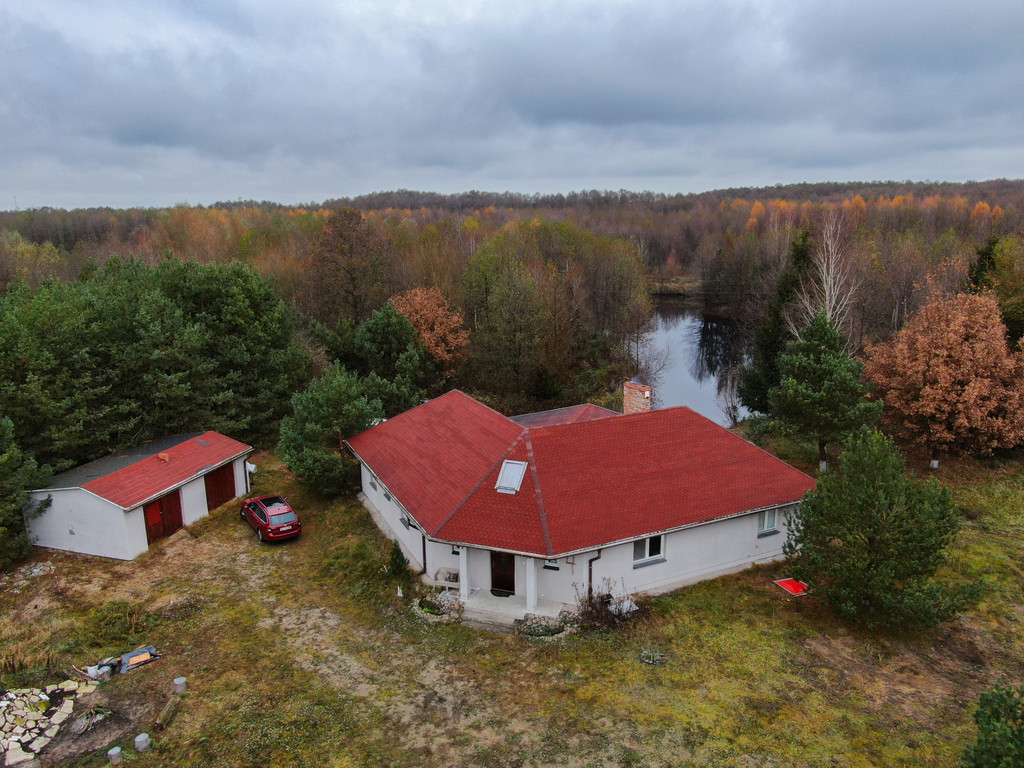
{"points": [[948, 379], [438, 326]]}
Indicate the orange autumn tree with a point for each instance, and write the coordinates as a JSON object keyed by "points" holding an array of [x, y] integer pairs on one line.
{"points": [[948, 379], [438, 326]]}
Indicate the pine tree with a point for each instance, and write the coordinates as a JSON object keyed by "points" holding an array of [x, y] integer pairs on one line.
{"points": [[330, 409], [18, 474], [1000, 719], [869, 539], [821, 394], [762, 374]]}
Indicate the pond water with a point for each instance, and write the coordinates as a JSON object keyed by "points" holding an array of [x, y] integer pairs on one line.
{"points": [[698, 356]]}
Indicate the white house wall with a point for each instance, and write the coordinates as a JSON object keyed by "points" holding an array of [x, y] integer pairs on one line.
{"points": [[691, 555], [78, 521], [410, 539]]}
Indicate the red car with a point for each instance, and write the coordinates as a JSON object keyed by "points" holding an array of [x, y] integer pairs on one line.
{"points": [[272, 518]]}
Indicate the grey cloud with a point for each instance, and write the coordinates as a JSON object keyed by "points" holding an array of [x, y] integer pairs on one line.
{"points": [[162, 101]]}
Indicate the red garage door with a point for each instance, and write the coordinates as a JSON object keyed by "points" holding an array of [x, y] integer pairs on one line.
{"points": [[220, 486], [163, 516]]}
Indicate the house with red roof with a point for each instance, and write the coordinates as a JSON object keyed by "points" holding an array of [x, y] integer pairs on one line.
{"points": [[118, 505], [533, 511]]}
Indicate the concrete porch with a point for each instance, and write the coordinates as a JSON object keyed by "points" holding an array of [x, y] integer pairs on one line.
{"points": [[484, 609]]}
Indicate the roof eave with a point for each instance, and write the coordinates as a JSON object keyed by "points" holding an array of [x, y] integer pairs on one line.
{"points": [[617, 542]]}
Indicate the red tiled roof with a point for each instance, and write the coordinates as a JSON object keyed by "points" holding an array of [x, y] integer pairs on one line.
{"points": [[587, 484], [433, 456], [152, 476]]}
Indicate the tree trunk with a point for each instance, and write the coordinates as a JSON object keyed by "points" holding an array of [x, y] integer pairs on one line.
{"points": [[822, 457]]}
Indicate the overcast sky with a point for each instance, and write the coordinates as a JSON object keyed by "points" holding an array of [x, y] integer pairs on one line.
{"points": [[158, 102]]}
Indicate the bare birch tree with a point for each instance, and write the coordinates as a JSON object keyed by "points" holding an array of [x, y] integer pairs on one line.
{"points": [[831, 286]]}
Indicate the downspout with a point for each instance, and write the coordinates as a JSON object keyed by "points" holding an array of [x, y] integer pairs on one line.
{"points": [[423, 539], [590, 575]]}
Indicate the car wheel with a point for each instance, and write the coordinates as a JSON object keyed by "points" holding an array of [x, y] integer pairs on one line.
{"points": [[259, 535]]}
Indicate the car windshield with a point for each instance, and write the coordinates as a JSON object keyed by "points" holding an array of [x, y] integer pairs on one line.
{"points": [[284, 518]]}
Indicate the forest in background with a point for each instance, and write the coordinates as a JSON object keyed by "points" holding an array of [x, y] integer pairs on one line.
{"points": [[898, 237], [553, 291]]}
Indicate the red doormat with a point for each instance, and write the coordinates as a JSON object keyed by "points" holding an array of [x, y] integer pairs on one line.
{"points": [[792, 586]]}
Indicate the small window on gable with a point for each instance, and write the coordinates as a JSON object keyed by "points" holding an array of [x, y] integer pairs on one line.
{"points": [[373, 482], [511, 476]]}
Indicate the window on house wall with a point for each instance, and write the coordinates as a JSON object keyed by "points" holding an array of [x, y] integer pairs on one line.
{"points": [[551, 565], [404, 521], [373, 482], [766, 523], [648, 551]]}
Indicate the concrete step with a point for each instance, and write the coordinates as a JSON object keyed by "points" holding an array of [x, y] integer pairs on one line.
{"points": [[490, 626]]}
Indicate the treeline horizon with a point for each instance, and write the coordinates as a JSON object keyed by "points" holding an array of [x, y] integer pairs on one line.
{"points": [[811, 191]]}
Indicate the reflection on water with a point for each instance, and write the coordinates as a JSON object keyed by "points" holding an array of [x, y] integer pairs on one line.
{"points": [[704, 357]]}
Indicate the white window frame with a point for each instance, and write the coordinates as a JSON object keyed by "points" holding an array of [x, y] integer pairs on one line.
{"points": [[511, 476], [767, 522], [648, 558]]}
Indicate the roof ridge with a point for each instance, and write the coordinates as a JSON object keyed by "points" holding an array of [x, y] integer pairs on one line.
{"points": [[540, 497], [480, 482], [479, 402]]}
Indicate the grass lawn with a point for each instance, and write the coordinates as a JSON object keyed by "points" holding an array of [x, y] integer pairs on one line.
{"points": [[301, 653]]}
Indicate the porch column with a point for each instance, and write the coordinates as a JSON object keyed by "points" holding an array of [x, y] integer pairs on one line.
{"points": [[463, 573], [531, 584]]}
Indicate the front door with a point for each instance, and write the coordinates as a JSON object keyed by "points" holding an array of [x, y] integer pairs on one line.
{"points": [[503, 574]]}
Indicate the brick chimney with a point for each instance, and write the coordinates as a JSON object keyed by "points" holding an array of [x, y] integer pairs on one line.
{"points": [[636, 397]]}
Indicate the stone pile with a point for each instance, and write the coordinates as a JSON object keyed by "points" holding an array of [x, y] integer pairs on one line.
{"points": [[17, 581], [546, 628], [449, 604], [30, 718]]}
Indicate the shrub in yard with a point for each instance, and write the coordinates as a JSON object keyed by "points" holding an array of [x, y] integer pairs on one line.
{"points": [[1000, 719], [600, 610], [398, 564], [429, 606], [114, 626]]}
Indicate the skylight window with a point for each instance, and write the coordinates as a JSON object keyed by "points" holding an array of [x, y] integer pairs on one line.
{"points": [[511, 476]]}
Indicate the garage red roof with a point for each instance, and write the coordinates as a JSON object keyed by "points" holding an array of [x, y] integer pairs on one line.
{"points": [[587, 484], [130, 477]]}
